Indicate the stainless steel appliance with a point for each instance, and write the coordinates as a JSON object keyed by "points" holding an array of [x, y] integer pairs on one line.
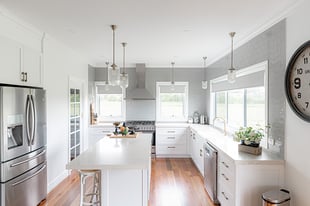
{"points": [[276, 198], [146, 127], [22, 146], [210, 171]]}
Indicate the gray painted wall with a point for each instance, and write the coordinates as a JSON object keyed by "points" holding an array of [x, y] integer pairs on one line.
{"points": [[137, 110], [270, 45]]}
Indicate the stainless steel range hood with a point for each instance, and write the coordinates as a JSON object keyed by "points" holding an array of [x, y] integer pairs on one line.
{"points": [[139, 92]]}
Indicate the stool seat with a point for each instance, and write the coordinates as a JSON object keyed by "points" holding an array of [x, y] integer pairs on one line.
{"points": [[93, 197]]}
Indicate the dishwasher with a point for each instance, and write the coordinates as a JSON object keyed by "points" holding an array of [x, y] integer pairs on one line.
{"points": [[210, 171]]}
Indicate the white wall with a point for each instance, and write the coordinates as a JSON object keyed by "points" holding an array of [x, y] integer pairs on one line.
{"points": [[60, 63], [297, 152]]}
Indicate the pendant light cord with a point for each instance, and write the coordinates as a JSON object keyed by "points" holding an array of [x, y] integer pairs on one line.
{"points": [[232, 34], [124, 45], [113, 29], [106, 72], [172, 72], [204, 67]]}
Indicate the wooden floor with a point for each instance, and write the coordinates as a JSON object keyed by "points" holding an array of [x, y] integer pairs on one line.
{"points": [[174, 182]]}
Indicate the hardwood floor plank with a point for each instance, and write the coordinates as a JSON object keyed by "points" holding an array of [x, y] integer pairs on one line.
{"points": [[174, 182]]}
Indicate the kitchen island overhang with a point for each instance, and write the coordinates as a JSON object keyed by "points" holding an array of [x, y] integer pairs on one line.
{"points": [[125, 165]]}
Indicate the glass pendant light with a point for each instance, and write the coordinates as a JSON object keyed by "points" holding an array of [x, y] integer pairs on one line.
{"points": [[231, 74], [172, 77], [124, 75], [114, 72], [106, 82], [204, 83]]}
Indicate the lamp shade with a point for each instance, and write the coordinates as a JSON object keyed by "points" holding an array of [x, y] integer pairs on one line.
{"points": [[114, 76], [124, 80]]}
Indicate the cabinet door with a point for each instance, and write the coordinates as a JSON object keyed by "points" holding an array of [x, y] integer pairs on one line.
{"points": [[10, 61], [200, 162], [32, 66]]}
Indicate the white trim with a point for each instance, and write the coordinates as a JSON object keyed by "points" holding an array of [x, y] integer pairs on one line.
{"points": [[158, 118]]}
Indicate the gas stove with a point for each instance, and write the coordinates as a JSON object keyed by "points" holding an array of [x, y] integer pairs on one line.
{"points": [[142, 126]]}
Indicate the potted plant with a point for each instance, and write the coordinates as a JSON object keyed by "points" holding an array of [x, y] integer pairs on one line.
{"points": [[249, 136]]}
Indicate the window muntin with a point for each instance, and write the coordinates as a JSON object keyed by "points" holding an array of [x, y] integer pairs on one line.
{"points": [[171, 102]]}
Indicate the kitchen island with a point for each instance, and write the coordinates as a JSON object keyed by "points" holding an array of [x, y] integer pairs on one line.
{"points": [[125, 165]]}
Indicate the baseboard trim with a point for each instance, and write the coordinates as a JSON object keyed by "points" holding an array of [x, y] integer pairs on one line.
{"points": [[51, 185]]}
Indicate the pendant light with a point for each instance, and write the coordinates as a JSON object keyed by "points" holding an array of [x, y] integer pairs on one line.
{"points": [[106, 82], [124, 76], [114, 73], [231, 75], [204, 83], [172, 76]]}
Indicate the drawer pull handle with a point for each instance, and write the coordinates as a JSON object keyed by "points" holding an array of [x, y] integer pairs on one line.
{"points": [[226, 165], [171, 131], [223, 193], [171, 147], [200, 152], [226, 178], [170, 137]]}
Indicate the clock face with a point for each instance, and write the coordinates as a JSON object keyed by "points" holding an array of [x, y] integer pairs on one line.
{"points": [[297, 81]]}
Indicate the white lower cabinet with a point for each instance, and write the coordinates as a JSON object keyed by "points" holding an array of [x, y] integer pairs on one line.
{"points": [[242, 183], [97, 132], [196, 150], [171, 142]]}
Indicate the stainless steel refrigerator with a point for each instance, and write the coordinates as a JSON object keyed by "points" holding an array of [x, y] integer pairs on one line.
{"points": [[23, 146]]}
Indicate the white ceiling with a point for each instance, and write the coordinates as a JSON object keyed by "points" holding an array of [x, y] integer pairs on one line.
{"points": [[157, 31]]}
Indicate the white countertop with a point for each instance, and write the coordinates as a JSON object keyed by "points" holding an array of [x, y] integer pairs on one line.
{"points": [[226, 145], [115, 153]]}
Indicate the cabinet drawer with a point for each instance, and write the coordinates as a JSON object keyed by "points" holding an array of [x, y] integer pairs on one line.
{"points": [[171, 149], [170, 139], [225, 196], [171, 131], [226, 179], [226, 163]]}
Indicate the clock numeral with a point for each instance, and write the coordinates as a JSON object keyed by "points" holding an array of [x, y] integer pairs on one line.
{"points": [[299, 95], [297, 83], [299, 71], [307, 104], [306, 60]]}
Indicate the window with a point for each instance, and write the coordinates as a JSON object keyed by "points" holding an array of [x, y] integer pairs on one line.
{"points": [[75, 119], [110, 103], [243, 103], [242, 107], [171, 102]]}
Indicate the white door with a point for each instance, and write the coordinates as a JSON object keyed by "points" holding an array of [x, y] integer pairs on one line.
{"points": [[76, 119]]}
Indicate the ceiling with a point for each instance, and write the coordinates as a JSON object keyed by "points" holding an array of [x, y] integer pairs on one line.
{"points": [[157, 31]]}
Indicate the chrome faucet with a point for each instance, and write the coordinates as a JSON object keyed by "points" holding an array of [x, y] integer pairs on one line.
{"points": [[224, 123]]}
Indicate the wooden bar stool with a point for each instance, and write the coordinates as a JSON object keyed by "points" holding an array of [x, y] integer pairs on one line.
{"points": [[93, 197]]}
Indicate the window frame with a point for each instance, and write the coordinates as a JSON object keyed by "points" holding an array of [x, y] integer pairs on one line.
{"points": [[102, 118], [172, 119], [263, 66]]}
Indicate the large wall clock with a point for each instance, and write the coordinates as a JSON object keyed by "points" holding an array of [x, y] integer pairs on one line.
{"points": [[297, 82]]}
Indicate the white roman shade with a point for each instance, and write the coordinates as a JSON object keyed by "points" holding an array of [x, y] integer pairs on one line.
{"points": [[175, 89], [112, 89], [254, 76]]}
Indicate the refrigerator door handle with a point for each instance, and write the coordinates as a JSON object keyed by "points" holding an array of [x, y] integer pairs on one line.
{"points": [[28, 160], [31, 176], [27, 119], [33, 119]]}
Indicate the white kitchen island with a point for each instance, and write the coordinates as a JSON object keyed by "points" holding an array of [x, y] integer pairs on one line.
{"points": [[125, 165]]}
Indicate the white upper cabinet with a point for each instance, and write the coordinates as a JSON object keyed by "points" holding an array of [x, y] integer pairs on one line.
{"points": [[10, 61], [32, 67], [19, 64]]}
